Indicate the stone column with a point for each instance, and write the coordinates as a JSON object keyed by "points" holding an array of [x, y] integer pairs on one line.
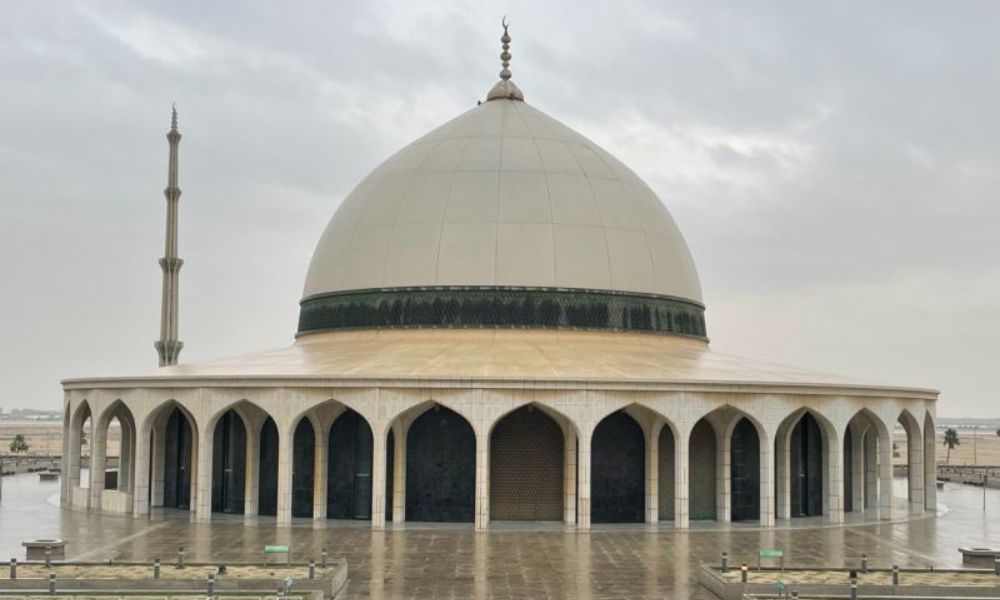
{"points": [[915, 471], [858, 469], [871, 468], [653, 472], [140, 485], [286, 453], [782, 474], [399, 472], [930, 467], [98, 453], [569, 474], [482, 481], [681, 467], [158, 449], [126, 457], [251, 490], [64, 482], [320, 473], [835, 477], [723, 485], [766, 485], [380, 433], [885, 475], [766, 482], [202, 492], [72, 462], [583, 479]]}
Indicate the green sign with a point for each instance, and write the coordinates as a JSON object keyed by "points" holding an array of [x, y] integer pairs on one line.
{"points": [[275, 549], [771, 554]]}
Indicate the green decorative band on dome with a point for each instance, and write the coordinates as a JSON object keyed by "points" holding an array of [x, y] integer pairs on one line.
{"points": [[501, 307]]}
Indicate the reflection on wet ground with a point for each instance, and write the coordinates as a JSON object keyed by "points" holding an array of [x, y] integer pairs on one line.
{"points": [[450, 561]]}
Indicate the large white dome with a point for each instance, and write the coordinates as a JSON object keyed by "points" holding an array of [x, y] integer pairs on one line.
{"points": [[503, 195]]}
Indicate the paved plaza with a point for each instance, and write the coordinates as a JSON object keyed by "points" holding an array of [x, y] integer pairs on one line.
{"points": [[446, 561]]}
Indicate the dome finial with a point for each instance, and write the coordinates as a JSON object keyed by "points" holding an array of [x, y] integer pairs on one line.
{"points": [[505, 55], [505, 88]]}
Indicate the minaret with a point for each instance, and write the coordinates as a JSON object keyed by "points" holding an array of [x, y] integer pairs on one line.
{"points": [[168, 347]]}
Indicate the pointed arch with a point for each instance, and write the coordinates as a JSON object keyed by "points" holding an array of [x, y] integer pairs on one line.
{"points": [[350, 444], [173, 438], [527, 467], [618, 464], [120, 478], [440, 466], [914, 461]]}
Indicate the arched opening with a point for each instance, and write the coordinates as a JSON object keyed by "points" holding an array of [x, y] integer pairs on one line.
{"points": [[806, 460], [618, 465], [849, 470], [267, 490], [349, 468], [440, 467], [178, 459], [303, 467], [744, 472], [702, 448], [914, 462], [79, 451], [666, 472], [229, 453], [526, 467], [930, 464]]}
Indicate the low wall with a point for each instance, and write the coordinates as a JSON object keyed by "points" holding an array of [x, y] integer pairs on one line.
{"points": [[115, 502], [711, 579], [328, 583], [80, 497], [970, 475]]}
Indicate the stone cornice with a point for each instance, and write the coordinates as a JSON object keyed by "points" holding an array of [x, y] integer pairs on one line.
{"points": [[731, 387]]}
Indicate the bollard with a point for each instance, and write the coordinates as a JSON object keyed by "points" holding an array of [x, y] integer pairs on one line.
{"points": [[211, 584], [48, 557], [854, 584], [180, 557], [895, 574], [864, 563], [52, 584], [996, 565], [13, 568], [744, 573], [156, 568], [795, 594], [725, 562], [312, 569], [322, 558]]}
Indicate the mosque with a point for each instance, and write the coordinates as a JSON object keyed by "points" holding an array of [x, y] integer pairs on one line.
{"points": [[501, 322]]}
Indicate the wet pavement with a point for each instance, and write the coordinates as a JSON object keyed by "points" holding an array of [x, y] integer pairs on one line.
{"points": [[548, 561]]}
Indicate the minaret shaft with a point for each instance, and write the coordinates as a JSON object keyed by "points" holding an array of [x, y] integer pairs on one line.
{"points": [[169, 346]]}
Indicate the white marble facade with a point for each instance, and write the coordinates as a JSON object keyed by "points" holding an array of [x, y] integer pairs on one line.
{"points": [[773, 410]]}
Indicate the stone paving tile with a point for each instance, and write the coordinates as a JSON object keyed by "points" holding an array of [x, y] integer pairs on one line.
{"points": [[449, 561]]}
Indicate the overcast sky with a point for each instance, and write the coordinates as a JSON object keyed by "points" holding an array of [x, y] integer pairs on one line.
{"points": [[834, 166]]}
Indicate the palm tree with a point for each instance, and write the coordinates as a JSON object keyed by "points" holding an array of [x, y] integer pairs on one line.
{"points": [[19, 444], [950, 440]]}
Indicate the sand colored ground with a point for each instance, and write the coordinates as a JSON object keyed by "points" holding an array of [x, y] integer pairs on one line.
{"points": [[980, 449], [924, 578], [46, 437]]}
